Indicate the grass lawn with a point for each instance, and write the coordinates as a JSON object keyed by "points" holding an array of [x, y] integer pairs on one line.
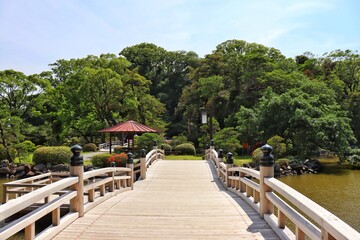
{"points": [[237, 161], [182, 157]]}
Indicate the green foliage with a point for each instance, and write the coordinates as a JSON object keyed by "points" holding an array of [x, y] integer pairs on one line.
{"points": [[52, 155], [177, 140], [256, 156], [279, 147], [90, 147], [101, 160], [227, 140], [186, 149], [166, 147], [24, 149], [354, 161], [4, 152], [146, 141]]}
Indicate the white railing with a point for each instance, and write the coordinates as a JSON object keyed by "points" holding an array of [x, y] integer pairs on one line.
{"points": [[150, 158], [80, 193], [262, 191], [107, 144]]}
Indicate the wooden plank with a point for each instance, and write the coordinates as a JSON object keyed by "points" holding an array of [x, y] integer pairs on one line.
{"points": [[178, 200]]}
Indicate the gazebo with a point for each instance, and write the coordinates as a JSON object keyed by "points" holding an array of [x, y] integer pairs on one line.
{"points": [[130, 128]]}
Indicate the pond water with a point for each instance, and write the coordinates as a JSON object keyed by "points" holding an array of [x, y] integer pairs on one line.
{"points": [[337, 190]]}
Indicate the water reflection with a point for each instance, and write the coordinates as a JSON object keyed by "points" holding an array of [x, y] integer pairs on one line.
{"points": [[337, 190]]}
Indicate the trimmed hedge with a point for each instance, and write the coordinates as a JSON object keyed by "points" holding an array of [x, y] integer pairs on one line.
{"points": [[186, 149], [101, 160], [90, 147], [166, 147], [52, 155]]}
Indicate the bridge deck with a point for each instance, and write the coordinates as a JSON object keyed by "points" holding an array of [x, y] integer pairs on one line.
{"points": [[178, 200]]}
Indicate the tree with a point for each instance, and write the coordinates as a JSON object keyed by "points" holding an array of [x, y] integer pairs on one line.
{"points": [[309, 117], [227, 139], [20, 96], [98, 92], [167, 71]]}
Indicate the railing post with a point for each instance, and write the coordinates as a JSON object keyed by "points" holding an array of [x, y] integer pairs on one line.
{"points": [[163, 152], [266, 171], [229, 164], [130, 164], [219, 160], [143, 167], [5, 195], [77, 169], [155, 148]]}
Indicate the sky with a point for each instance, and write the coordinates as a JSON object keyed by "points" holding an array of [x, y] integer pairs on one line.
{"points": [[36, 33]]}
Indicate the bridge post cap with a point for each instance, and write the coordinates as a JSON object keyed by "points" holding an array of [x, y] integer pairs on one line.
{"points": [[142, 153], [207, 146], [130, 159], [221, 153], [212, 142], [154, 144], [267, 160], [266, 149], [76, 159], [229, 159], [76, 148]]}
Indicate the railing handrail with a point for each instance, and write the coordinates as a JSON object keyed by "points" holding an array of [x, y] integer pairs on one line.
{"points": [[30, 179], [335, 226], [70, 190], [18, 204], [331, 227]]}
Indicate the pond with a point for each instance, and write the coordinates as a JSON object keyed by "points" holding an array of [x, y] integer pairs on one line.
{"points": [[337, 190]]}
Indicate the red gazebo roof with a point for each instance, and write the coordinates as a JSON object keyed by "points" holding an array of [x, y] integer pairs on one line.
{"points": [[129, 127]]}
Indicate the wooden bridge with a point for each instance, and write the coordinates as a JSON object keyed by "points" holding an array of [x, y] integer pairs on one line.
{"points": [[173, 200]]}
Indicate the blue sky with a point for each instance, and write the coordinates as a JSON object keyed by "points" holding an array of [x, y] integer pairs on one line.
{"points": [[36, 33]]}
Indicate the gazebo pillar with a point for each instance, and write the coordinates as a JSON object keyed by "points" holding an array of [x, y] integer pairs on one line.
{"points": [[110, 143]]}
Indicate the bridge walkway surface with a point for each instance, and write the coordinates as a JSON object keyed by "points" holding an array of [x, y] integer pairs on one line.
{"points": [[178, 200]]}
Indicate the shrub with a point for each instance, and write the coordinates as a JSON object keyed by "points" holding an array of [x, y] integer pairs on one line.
{"points": [[166, 147], [3, 152], [185, 149], [118, 159], [52, 155], [118, 149], [278, 145], [177, 140], [256, 156], [101, 160], [146, 141], [90, 147]]}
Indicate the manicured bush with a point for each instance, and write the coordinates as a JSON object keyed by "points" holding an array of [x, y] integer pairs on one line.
{"points": [[256, 156], [185, 149], [118, 149], [52, 155], [177, 140], [166, 147], [101, 160], [90, 147]]}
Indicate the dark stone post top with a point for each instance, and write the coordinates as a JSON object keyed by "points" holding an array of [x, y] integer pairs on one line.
{"points": [[229, 159], [142, 153], [76, 159], [130, 159], [267, 160], [221, 153]]}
